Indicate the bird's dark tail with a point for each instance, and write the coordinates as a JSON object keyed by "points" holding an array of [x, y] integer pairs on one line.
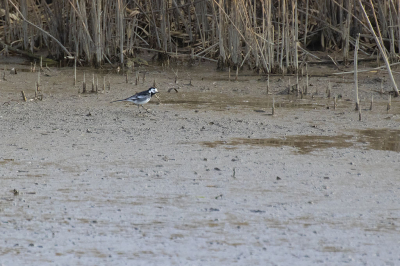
{"points": [[118, 101]]}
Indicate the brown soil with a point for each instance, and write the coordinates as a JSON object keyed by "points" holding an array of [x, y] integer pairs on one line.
{"points": [[208, 177]]}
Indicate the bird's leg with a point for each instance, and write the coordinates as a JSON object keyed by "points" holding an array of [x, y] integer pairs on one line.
{"points": [[145, 109], [138, 107]]}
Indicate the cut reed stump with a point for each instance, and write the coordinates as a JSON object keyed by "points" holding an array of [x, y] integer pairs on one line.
{"points": [[84, 83], [23, 96], [273, 106], [372, 101]]}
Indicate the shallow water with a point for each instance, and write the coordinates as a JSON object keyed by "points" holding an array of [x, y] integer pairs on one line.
{"points": [[378, 139]]}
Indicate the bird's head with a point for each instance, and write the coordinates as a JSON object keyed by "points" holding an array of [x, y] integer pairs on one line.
{"points": [[152, 91]]}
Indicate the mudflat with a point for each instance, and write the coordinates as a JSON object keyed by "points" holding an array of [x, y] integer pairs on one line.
{"points": [[208, 177]]}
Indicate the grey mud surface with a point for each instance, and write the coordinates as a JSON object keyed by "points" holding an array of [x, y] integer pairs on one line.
{"points": [[208, 177]]}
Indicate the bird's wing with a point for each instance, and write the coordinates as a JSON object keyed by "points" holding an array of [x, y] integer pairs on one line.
{"points": [[139, 96], [144, 93]]}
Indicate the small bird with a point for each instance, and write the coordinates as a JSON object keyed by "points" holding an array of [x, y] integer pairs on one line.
{"points": [[141, 98]]}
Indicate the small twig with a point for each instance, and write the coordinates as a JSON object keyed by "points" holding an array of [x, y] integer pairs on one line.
{"points": [[170, 89], [335, 62]]}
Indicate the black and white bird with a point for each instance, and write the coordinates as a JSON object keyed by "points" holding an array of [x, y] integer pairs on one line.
{"points": [[141, 98]]}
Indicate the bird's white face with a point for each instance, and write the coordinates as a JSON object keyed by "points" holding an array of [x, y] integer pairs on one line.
{"points": [[153, 90]]}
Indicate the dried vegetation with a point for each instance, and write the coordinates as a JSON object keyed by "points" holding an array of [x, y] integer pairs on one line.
{"points": [[270, 36]]}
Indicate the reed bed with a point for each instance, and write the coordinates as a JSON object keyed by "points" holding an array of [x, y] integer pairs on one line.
{"points": [[270, 36]]}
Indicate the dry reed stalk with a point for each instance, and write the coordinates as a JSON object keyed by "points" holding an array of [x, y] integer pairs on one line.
{"points": [[295, 36], [74, 70], [221, 33], [7, 23], [267, 32], [346, 31], [389, 105], [355, 72], [37, 27], [391, 27], [378, 30], [120, 29], [306, 25], [379, 43]]}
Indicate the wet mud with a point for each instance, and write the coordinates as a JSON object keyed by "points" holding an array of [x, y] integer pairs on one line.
{"points": [[209, 176]]}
